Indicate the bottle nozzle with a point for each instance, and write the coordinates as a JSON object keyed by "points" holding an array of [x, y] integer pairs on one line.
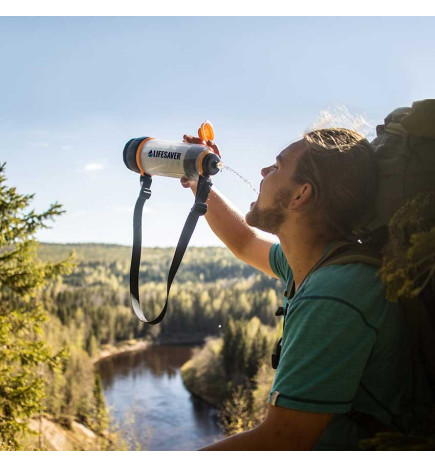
{"points": [[211, 164]]}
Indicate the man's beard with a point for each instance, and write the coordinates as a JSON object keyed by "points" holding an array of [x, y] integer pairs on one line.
{"points": [[270, 219]]}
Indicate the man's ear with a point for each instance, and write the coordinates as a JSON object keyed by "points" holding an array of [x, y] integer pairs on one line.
{"points": [[301, 197]]}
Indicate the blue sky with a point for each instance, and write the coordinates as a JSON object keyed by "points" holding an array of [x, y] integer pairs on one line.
{"points": [[74, 90]]}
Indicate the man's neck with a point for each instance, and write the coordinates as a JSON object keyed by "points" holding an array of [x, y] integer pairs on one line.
{"points": [[302, 250]]}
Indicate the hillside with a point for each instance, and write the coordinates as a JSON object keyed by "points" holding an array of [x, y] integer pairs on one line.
{"points": [[210, 285]]}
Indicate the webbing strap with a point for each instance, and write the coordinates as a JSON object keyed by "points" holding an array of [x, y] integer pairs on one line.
{"points": [[199, 208]]}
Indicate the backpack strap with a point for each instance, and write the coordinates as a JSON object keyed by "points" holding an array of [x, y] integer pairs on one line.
{"points": [[345, 252], [342, 253]]}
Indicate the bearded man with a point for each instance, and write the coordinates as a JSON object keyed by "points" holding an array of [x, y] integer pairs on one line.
{"points": [[344, 347]]}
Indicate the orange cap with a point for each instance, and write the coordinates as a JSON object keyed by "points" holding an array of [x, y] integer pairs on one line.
{"points": [[205, 132]]}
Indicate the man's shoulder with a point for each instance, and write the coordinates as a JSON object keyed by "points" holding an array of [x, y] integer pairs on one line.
{"points": [[356, 284]]}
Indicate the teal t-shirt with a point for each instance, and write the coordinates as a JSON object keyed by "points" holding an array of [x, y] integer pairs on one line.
{"points": [[344, 347]]}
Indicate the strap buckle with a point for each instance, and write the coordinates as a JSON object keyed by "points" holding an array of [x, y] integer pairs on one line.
{"points": [[145, 191], [200, 208]]}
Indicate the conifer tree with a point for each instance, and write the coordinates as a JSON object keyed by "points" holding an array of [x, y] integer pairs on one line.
{"points": [[23, 353], [100, 417]]}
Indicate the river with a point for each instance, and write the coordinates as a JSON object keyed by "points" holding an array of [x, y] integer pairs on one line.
{"points": [[150, 404]]}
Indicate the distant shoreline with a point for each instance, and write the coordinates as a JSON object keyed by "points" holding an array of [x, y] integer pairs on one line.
{"points": [[135, 345]]}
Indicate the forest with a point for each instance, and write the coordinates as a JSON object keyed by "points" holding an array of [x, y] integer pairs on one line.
{"points": [[93, 300]]}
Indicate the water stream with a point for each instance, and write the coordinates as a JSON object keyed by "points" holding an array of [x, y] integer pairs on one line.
{"points": [[230, 169]]}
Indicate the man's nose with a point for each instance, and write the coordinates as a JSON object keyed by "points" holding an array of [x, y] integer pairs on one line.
{"points": [[265, 171]]}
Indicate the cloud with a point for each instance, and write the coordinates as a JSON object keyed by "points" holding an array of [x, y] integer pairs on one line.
{"points": [[93, 167]]}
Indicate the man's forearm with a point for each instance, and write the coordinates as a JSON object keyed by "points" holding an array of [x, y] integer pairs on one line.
{"points": [[227, 222], [248, 440], [283, 429], [262, 438]]}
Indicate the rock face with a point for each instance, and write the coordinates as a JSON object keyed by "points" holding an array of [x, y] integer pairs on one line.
{"points": [[53, 436]]}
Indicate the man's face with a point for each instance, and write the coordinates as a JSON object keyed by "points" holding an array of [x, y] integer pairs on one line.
{"points": [[276, 190]]}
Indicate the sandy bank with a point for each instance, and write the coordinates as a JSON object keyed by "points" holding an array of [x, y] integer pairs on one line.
{"points": [[119, 348]]}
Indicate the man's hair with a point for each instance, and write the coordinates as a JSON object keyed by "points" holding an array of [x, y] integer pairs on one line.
{"points": [[339, 164]]}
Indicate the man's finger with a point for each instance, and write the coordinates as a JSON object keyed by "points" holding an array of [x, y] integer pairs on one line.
{"points": [[192, 139], [213, 146]]}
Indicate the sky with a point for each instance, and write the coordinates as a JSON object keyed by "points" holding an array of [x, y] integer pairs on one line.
{"points": [[74, 90]]}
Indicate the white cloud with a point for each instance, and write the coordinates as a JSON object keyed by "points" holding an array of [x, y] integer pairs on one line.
{"points": [[93, 167]]}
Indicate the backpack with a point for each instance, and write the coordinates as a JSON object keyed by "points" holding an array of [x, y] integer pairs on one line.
{"points": [[405, 164], [405, 208], [405, 159]]}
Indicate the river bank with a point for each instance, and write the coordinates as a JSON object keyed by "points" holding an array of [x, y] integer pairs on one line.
{"points": [[119, 348], [129, 346]]}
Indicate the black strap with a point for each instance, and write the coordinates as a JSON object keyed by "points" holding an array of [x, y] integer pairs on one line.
{"points": [[198, 209]]}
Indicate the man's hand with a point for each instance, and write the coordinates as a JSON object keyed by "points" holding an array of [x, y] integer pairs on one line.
{"points": [[195, 140]]}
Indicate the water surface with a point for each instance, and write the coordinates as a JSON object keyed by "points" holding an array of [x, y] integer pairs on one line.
{"points": [[150, 404]]}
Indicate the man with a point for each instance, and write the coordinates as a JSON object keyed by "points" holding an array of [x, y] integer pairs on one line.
{"points": [[344, 347]]}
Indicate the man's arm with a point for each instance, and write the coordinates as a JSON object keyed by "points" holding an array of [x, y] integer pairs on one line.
{"points": [[230, 226], [246, 243], [283, 429]]}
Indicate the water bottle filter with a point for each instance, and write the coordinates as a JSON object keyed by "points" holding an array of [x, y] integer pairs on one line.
{"points": [[147, 155]]}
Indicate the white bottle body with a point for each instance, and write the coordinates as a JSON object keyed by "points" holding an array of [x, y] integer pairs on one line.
{"points": [[172, 159]]}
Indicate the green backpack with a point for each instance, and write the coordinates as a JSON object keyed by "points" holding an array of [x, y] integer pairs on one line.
{"points": [[402, 233], [405, 156]]}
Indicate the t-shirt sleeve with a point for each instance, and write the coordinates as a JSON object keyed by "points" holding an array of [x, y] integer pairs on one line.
{"points": [[326, 345], [279, 263]]}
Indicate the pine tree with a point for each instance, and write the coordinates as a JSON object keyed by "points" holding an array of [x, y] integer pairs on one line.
{"points": [[23, 354], [100, 416], [229, 347]]}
